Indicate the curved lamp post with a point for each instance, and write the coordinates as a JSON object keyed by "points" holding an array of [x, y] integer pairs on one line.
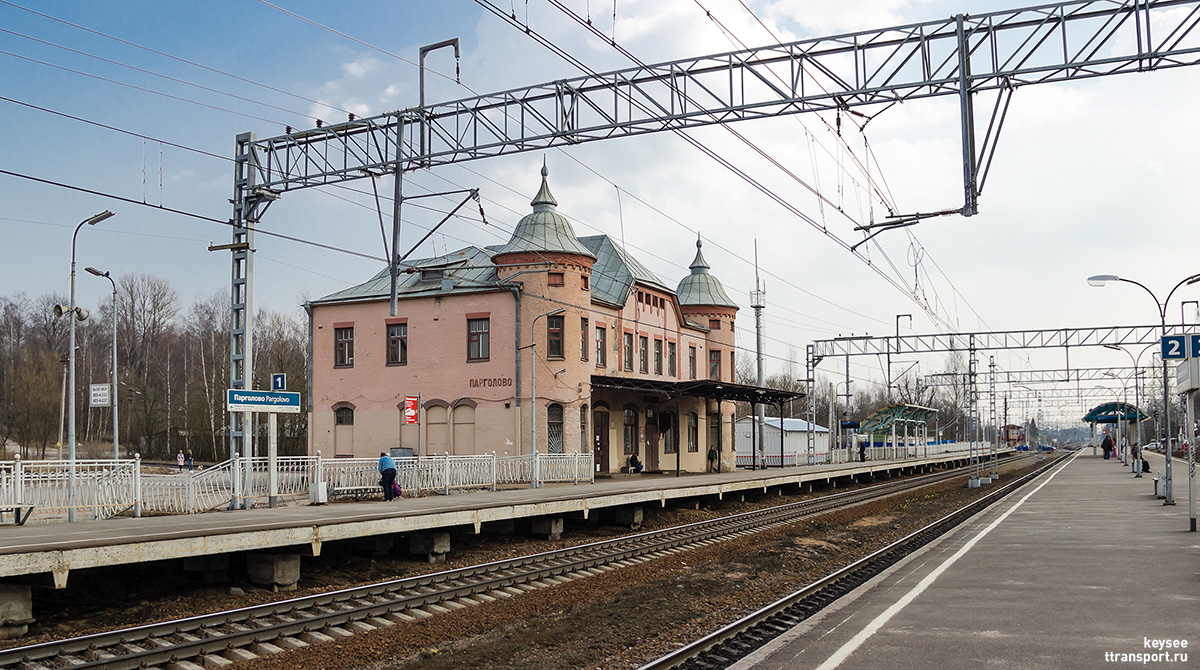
{"points": [[113, 395], [1101, 280], [80, 315]]}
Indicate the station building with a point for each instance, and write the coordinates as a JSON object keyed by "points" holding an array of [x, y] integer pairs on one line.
{"points": [[551, 342]]}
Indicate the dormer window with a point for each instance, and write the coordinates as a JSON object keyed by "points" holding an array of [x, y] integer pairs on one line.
{"points": [[432, 274]]}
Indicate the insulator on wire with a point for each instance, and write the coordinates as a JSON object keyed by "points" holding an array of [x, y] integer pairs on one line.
{"points": [[481, 215]]}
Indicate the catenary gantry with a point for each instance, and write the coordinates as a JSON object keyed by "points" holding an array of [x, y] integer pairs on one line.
{"points": [[958, 56]]}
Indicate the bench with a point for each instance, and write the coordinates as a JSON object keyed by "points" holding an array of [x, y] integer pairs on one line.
{"points": [[16, 508]]}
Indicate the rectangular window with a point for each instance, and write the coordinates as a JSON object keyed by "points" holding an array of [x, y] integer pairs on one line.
{"points": [[397, 344], [714, 365], [584, 282], [658, 357], [478, 345], [671, 358], [555, 279], [733, 366], [601, 346], [691, 362], [627, 352], [714, 324], [343, 347], [693, 432], [643, 354], [554, 337], [583, 342]]}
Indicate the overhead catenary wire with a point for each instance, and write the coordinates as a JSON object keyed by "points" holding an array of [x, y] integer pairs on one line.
{"points": [[787, 205]]}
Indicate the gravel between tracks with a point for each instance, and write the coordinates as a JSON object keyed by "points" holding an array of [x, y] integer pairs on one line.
{"points": [[619, 619]]}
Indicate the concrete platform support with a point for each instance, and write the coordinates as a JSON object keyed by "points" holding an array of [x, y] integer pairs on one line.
{"points": [[433, 545], [212, 568], [278, 572], [546, 527], [374, 544], [16, 610], [629, 516]]}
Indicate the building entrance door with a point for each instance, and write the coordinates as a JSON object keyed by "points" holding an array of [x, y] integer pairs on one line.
{"points": [[600, 426], [651, 455]]}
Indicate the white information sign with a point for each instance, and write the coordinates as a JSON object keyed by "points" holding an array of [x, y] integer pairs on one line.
{"points": [[100, 395]]}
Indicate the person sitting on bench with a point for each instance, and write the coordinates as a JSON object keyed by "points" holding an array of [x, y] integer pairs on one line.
{"points": [[634, 464]]}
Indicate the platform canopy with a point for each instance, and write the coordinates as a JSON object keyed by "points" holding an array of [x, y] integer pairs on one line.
{"points": [[882, 420], [1112, 412]]}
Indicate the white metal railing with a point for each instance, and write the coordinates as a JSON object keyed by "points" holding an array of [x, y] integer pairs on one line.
{"points": [[889, 451], [104, 488], [98, 488]]}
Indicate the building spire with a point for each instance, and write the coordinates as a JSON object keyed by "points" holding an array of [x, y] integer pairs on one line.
{"points": [[699, 265]]}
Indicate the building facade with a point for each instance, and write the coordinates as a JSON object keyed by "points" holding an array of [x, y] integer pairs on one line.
{"points": [[551, 342]]}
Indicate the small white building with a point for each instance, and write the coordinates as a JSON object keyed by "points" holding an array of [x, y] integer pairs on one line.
{"points": [[795, 441]]}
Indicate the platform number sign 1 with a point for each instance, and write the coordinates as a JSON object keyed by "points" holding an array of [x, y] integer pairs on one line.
{"points": [[1174, 346], [278, 382]]}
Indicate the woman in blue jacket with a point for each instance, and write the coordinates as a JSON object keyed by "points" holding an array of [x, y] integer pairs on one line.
{"points": [[387, 468]]}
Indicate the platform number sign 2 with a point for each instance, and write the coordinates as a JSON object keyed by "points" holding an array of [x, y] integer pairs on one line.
{"points": [[1174, 346]]}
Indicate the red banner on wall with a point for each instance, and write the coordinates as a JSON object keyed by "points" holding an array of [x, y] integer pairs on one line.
{"points": [[410, 409]]}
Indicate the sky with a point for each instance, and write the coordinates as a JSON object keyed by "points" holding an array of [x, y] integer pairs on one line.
{"points": [[143, 99]]}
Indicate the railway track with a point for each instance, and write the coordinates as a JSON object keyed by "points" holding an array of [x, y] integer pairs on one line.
{"points": [[214, 640], [739, 639]]}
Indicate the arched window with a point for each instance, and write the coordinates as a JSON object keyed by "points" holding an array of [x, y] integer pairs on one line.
{"points": [[631, 429], [344, 416], [584, 447], [714, 431], [554, 429]]}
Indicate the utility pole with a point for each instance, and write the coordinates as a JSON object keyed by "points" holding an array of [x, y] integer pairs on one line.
{"points": [[757, 301]]}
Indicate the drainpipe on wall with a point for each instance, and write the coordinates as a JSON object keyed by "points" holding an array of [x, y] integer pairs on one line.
{"points": [[309, 354]]}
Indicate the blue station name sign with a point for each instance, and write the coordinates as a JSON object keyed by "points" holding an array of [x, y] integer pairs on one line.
{"points": [[287, 402]]}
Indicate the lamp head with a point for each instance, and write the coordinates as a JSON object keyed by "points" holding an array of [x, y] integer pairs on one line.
{"points": [[96, 272], [1101, 280], [97, 218]]}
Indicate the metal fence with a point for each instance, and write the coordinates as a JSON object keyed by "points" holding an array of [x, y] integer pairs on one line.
{"points": [[104, 488], [888, 451]]}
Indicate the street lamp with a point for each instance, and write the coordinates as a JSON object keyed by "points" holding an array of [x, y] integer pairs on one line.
{"points": [[533, 388], [113, 394], [1137, 464], [80, 315], [1101, 280]]}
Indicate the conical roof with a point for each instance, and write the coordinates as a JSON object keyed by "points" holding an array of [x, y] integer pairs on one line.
{"points": [[544, 229], [700, 287]]}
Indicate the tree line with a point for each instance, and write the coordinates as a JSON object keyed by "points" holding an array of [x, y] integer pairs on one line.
{"points": [[172, 373]]}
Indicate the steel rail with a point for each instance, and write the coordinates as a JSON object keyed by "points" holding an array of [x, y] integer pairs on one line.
{"points": [[292, 623], [736, 640]]}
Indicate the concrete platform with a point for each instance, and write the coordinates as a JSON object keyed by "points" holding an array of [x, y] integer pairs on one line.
{"points": [[1081, 569], [56, 549]]}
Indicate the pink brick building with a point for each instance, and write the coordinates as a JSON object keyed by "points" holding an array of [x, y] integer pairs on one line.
{"points": [[624, 363]]}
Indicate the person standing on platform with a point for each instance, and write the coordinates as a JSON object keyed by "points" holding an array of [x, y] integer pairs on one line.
{"points": [[179, 460], [387, 469], [862, 452], [191, 462], [1107, 446], [712, 459]]}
